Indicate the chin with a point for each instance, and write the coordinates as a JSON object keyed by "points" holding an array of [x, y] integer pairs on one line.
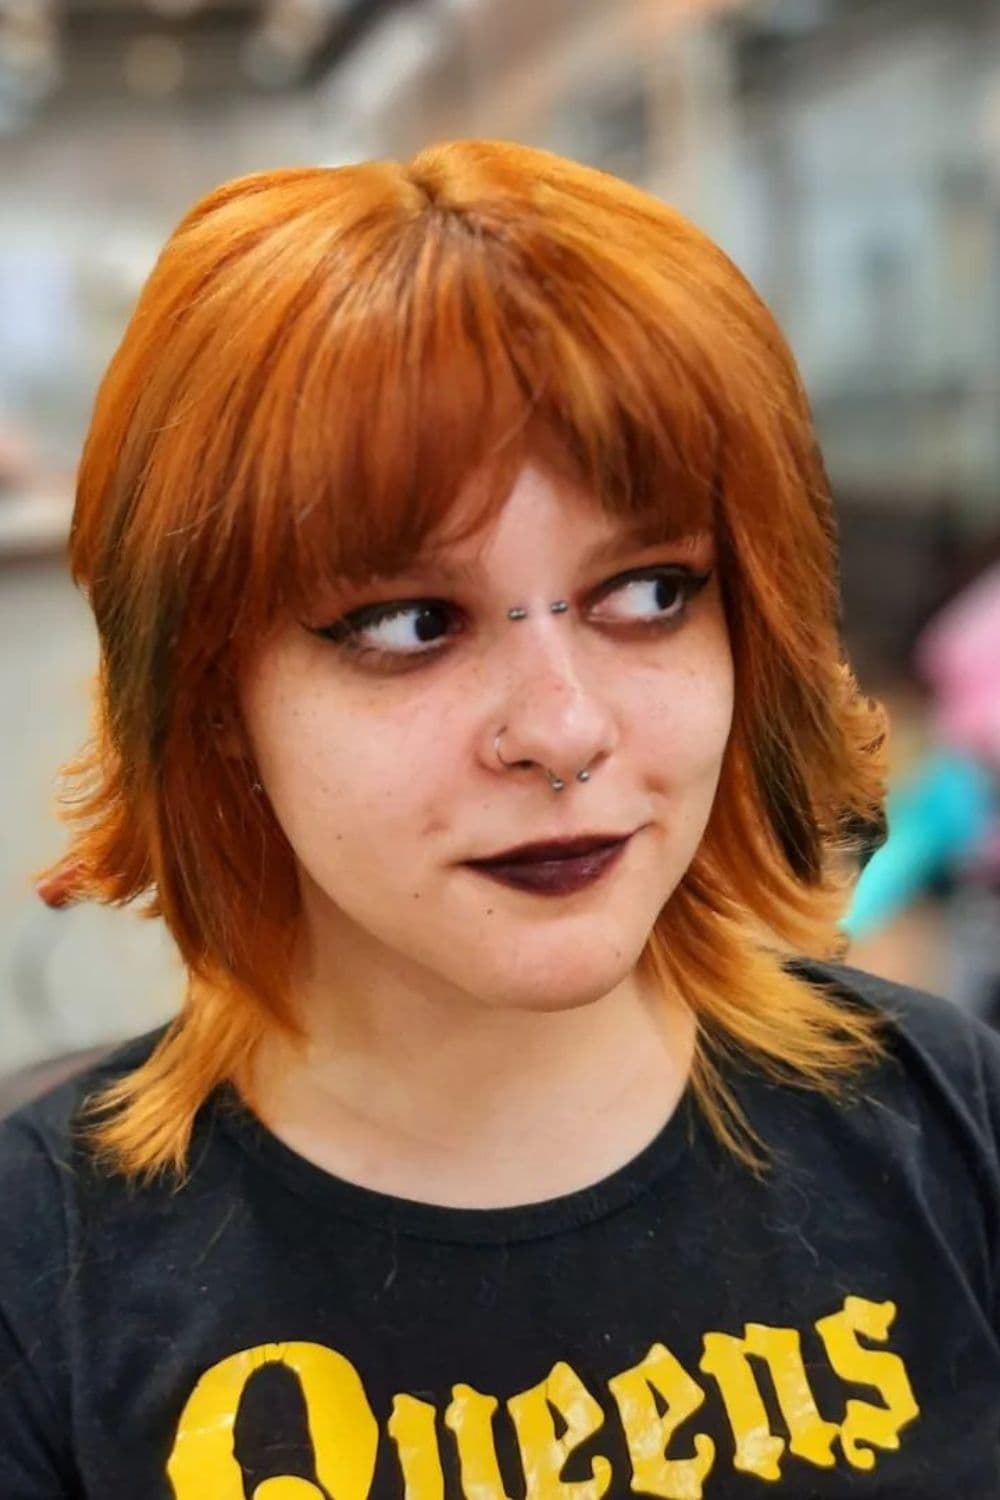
{"points": [[551, 1002], [562, 983]]}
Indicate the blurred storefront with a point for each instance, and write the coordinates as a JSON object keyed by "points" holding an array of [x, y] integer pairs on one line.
{"points": [[844, 153]]}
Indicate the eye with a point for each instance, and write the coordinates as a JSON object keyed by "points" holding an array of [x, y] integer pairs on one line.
{"points": [[650, 596], [402, 628], [404, 632]]}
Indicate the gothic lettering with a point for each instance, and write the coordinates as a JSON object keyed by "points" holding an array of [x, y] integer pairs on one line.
{"points": [[875, 1426], [649, 1435], [342, 1428], [654, 1399]]}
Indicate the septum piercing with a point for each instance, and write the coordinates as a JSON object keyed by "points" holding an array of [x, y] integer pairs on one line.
{"points": [[555, 782]]}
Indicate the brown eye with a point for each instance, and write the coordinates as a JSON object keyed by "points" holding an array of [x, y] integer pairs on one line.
{"points": [[650, 595], [400, 629]]}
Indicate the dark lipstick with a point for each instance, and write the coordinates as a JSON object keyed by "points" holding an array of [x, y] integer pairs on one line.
{"points": [[555, 868]]}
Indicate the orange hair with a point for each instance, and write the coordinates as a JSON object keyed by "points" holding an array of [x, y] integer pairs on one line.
{"points": [[319, 362]]}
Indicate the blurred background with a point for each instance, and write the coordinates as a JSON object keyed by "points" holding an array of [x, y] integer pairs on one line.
{"points": [[846, 153]]}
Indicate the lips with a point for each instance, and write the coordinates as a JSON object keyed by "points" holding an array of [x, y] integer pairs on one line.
{"points": [[555, 868], [551, 849]]}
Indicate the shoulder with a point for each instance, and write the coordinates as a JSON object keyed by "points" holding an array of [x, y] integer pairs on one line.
{"points": [[39, 1142], [943, 1033], [42, 1170], [940, 1060]]}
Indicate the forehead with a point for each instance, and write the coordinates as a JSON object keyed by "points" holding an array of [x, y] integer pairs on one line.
{"points": [[549, 512]]}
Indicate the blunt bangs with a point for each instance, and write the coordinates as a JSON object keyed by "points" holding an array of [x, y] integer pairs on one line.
{"points": [[316, 409]]}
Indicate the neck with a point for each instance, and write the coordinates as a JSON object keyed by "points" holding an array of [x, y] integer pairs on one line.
{"points": [[433, 1095]]}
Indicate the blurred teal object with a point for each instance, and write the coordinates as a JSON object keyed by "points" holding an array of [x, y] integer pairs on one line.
{"points": [[937, 816]]}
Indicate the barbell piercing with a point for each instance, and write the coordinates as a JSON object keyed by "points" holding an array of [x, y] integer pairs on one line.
{"points": [[518, 612], [556, 782]]}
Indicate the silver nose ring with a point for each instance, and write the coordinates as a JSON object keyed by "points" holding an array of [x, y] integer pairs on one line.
{"points": [[555, 782]]}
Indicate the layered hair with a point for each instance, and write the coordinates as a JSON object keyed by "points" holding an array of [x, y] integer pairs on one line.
{"points": [[321, 362]]}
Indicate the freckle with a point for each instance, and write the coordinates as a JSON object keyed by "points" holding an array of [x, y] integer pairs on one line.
{"points": [[489, 911], [416, 895]]}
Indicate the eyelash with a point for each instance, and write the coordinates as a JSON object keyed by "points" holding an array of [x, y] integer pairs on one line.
{"points": [[346, 632]]}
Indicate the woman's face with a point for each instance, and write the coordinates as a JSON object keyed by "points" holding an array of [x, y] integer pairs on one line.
{"points": [[374, 727]]}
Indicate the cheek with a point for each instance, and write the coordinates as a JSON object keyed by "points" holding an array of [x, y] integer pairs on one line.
{"points": [[683, 720], [340, 776], [322, 782]]}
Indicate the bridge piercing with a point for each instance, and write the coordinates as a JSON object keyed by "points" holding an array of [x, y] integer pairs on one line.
{"points": [[558, 607]]}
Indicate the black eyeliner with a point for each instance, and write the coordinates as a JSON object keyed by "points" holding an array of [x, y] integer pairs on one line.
{"points": [[344, 631]]}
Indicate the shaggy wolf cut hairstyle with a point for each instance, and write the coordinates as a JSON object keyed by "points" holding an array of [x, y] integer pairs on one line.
{"points": [[320, 362]]}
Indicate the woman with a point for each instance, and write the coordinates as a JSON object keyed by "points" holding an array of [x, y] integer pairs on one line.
{"points": [[472, 709]]}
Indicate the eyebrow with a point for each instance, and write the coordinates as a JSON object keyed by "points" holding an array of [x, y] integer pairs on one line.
{"points": [[645, 532], [641, 533]]}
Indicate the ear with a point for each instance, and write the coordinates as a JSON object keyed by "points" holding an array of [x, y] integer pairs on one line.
{"points": [[230, 738]]}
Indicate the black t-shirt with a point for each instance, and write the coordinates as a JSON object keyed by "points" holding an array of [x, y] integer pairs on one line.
{"points": [[682, 1328]]}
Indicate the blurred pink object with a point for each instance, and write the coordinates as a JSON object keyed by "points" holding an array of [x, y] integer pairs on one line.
{"points": [[958, 654]]}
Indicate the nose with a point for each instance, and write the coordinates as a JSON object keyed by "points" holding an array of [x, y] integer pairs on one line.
{"points": [[555, 712]]}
